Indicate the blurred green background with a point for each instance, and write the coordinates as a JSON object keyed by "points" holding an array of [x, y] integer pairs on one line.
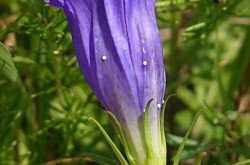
{"points": [[44, 99]]}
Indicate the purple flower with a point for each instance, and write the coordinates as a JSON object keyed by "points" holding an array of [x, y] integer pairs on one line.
{"points": [[119, 51]]}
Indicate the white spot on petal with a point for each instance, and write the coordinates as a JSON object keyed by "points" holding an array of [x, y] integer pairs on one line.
{"points": [[144, 51], [104, 58], [163, 101], [145, 63], [158, 105]]}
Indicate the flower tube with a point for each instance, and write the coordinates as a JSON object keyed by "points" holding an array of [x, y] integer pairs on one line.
{"points": [[119, 51]]}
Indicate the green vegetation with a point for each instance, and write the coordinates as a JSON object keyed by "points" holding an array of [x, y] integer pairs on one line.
{"points": [[45, 102]]}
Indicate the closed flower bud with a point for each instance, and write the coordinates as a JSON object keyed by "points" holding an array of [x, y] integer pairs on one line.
{"points": [[119, 51]]}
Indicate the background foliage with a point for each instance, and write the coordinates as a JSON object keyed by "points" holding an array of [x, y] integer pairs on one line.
{"points": [[44, 99]]}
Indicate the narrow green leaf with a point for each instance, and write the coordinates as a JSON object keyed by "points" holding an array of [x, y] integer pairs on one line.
{"points": [[239, 65], [177, 157], [199, 158], [122, 137], [24, 60], [177, 140], [191, 152], [7, 66], [243, 162], [100, 159], [196, 27], [111, 143], [14, 100], [166, 3]]}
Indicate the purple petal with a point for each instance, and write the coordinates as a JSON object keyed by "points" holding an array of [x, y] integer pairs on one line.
{"points": [[56, 3], [80, 20]]}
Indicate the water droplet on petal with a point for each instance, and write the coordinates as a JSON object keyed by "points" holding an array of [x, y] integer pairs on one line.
{"points": [[104, 58], [163, 101], [158, 105], [145, 63]]}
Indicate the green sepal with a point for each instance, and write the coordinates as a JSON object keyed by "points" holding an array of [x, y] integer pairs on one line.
{"points": [[177, 157], [151, 156], [163, 138], [122, 137], [111, 143]]}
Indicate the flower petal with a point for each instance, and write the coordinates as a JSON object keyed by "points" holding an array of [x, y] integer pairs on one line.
{"points": [[56, 3], [135, 24], [79, 16]]}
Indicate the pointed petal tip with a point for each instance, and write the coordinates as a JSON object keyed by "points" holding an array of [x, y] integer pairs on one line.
{"points": [[55, 3]]}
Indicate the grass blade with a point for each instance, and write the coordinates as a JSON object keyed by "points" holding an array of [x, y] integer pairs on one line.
{"points": [[177, 157]]}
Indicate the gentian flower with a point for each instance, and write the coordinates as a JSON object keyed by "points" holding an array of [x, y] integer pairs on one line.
{"points": [[119, 51]]}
